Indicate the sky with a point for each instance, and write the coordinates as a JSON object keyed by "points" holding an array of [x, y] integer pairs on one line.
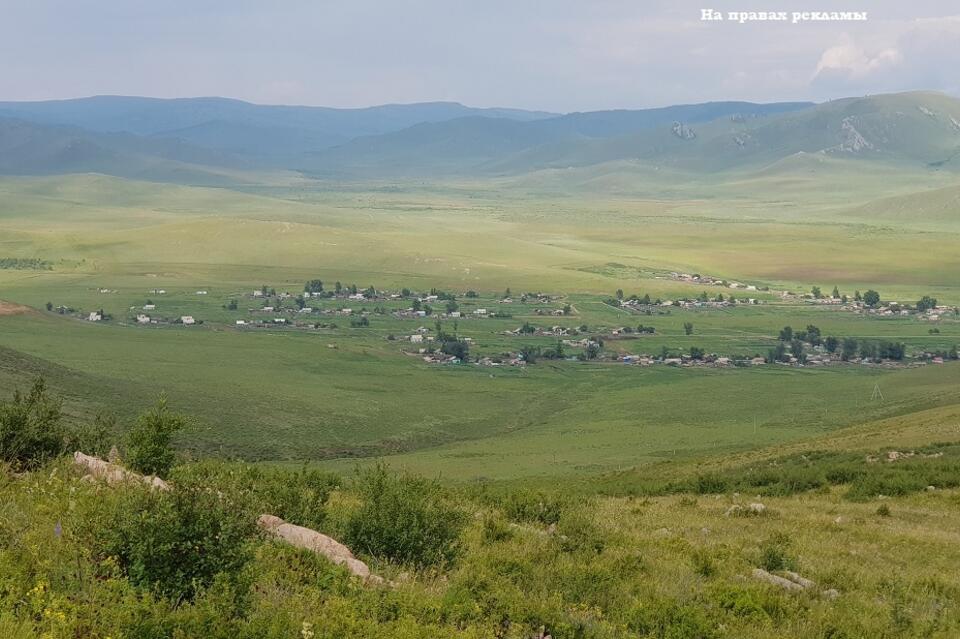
{"points": [[557, 55]]}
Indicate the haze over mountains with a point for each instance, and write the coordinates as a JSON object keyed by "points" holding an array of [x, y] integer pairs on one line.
{"points": [[206, 140]]}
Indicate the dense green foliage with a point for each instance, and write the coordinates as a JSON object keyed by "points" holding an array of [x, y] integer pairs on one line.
{"points": [[403, 519], [863, 476], [175, 543], [150, 441], [30, 428], [299, 497]]}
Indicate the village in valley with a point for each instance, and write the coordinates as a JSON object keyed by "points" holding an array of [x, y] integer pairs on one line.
{"points": [[521, 329]]}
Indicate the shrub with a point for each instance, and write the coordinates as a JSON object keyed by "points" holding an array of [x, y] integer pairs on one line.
{"points": [[775, 553], [883, 510], [174, 543], [299, 497], [669, 619], [702, 562], [149, 444], [495, 529], [532, 506], [577, 532], [93, 438], [30, 428], [403, 519]]}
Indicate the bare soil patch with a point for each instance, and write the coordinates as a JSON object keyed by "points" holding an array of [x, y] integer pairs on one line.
{"points": [[9, 308]]}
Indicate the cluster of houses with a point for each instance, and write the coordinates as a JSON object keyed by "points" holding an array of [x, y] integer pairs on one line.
{"points": [[659, 306], [708, 280], [893, 309]]}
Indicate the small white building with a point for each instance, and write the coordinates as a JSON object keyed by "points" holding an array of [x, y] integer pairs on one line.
{"points": [[480, 311], [241, 323], [94, 317], [187, 320], [143, 319], [149, 307], [416, 339]]}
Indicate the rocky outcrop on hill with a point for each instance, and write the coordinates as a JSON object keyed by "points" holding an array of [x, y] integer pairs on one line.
{"points": [[683, 131], [114, 473], [319, 543]]}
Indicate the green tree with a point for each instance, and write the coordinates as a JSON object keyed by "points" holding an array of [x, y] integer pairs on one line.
{"points": [[786, 334], [815, 291], [796, 349], [924, 304], [831, 343], [836, 293], [848, 349], [688, 328], [150, 442], [871, 298], [778, 353]]}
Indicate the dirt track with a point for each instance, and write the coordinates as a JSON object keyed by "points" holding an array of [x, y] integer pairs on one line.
{"points": [[9, 308]]}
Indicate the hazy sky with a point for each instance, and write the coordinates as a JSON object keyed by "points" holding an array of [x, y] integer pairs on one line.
{"points": [[559, 55]]}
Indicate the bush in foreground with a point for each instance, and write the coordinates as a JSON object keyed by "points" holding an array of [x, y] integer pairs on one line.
{"points": [[403, 519], [149, 447], [174, 543]]}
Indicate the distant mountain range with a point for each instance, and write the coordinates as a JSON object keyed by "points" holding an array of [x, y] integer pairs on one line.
{"points": [[206, 140]]}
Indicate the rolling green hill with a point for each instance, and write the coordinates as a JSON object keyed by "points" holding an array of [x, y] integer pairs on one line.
{"points": [[918, 129], [185, 141], [278, 133]]}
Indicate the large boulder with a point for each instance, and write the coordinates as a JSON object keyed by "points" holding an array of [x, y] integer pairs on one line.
{"points": [[319, 543], [114, 473]]}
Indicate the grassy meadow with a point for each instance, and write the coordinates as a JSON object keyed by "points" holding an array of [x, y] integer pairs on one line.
{"points": [[576, 497], [332, 395]]}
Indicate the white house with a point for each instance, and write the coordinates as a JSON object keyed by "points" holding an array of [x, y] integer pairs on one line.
{"points": [[188, 320], [241, 323], [480, 311], [143, 319], [149, 307], [416, 339], [94, 317]]}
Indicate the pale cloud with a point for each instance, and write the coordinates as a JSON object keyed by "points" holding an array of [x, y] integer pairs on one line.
{"points": [[913, 54], [851, 59]]}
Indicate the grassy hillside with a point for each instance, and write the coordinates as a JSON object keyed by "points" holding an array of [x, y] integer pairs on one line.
{"points": [[82, 558], [916, 129]]}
